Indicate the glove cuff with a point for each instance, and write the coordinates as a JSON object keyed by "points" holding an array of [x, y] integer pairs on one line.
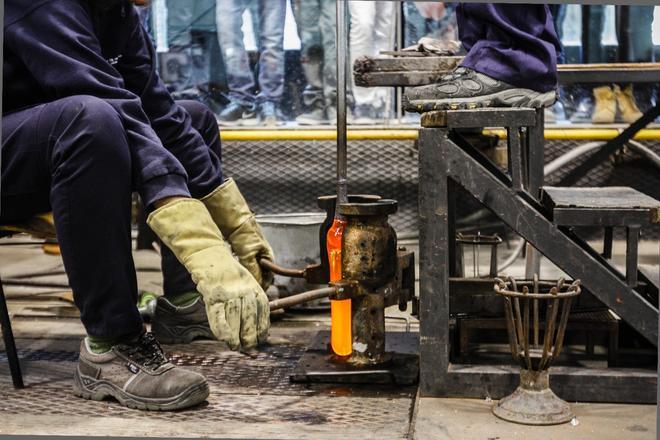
{"points": [[186, 227], [228, 207]]}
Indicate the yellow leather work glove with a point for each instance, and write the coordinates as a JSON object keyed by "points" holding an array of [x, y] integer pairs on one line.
{"points": [[236, 305], [236, 222]]}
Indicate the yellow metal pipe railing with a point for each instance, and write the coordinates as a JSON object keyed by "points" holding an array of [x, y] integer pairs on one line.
{"points": [[577, 134]]}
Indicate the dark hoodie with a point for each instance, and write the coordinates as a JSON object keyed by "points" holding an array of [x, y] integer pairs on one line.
{"points": [[59, 48]]}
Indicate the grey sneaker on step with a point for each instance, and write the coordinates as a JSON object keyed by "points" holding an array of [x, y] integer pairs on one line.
{"points": [[180, 325], [465, 88], [138, 375]]}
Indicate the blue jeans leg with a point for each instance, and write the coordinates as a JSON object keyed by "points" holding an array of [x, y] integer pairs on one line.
{"points": [[271, 49], [240, 80]]}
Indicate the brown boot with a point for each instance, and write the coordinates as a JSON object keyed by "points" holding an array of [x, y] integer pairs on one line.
{"points": [[627, 105], [605, 107]]}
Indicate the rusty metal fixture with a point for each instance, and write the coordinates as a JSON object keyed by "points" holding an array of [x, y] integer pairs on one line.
{"points": [[320, 273], [533, 402], [369, 260], [476, 242]]}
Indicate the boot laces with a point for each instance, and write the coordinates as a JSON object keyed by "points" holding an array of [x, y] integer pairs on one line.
{"points": [[145, 351]]}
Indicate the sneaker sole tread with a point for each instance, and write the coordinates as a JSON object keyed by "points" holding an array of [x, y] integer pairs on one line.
{"points": [[506, 98]]}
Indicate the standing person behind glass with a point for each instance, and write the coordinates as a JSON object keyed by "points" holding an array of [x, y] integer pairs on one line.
{"points": [[316, 21], [245, 107], [192, 67], [428, 19], [371, 33]]}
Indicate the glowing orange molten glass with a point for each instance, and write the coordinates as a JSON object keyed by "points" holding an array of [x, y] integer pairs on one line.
{"points": [[340, 310]]}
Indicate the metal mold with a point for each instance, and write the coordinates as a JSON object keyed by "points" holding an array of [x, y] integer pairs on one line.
{"points": [[369, 262]]}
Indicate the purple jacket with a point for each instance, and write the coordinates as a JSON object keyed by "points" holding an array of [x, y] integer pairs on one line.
{"points": [[59, 48]]}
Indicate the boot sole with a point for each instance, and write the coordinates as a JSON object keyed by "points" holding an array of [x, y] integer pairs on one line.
{"points": [[505, 98], [98, 390], [180, 334]]}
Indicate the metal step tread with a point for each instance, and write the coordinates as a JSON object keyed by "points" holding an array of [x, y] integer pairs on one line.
{"points": [[602, 206]]}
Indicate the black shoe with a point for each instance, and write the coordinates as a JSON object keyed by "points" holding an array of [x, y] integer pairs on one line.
{"points": [[138, 375], [237, 114], [269, 114], [180, 325], [467, 89]]}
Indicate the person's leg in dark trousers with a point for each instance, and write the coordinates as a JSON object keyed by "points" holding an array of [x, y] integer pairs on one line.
{"points": [[511, 61], [176, 279], [513, 43], [71, 156]]}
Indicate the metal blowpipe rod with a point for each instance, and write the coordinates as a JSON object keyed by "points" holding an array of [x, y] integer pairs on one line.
{"points": [[342, 75], [301, 298]]}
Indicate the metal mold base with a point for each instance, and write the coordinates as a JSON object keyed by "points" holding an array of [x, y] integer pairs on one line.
{"points": [[317, 365], [533, 402]]}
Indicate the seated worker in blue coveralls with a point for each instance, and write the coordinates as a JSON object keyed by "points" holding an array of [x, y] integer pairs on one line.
{"points": [[86, 122], [511, 61]]}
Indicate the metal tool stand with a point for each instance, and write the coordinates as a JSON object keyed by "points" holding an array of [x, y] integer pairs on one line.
{"points": [[447, 160], [535, 348]]}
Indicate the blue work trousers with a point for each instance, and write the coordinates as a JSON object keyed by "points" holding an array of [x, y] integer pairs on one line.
{"points": [[71, 156]]}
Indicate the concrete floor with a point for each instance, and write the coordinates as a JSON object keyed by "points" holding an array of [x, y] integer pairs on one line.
{"points": [[469, 419], [251, 398]]}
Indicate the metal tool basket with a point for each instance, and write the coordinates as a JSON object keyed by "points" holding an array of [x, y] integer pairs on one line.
{"points": [[536, 313]]}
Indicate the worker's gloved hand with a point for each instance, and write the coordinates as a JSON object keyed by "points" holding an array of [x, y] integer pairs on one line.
{"points": [[236, 222], [236, 305]]}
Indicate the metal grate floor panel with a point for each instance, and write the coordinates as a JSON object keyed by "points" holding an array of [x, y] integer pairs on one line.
{"points": [[243, 390]]}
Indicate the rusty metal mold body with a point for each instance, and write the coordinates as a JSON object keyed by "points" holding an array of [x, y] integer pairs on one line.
{"points": [[369, 253], [320, 273], [369, 260]]}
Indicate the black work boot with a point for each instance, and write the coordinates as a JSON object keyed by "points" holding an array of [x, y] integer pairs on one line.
{"points": [[138, 375], [180, 324], [465, 88], [238, 114]]}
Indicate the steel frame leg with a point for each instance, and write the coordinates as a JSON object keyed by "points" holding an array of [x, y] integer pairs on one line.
{"points": [[433, 261], [10, 346], [632, 242], [535, 140]]}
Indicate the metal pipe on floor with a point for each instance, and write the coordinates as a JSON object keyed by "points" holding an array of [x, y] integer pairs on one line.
{"points": [[301, 298]]}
